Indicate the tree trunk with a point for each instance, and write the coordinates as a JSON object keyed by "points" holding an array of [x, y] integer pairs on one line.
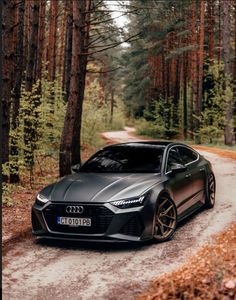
{"points": [[219, 54], [52, 39], [210, 29], [62, 40], [198, 108], [228, 130], [185, 106], [70, 140], [14, 170], [167, 118], [193, 95], [15, 29], [41, 39], [7, 65], [33, 46], [176, 95], [167, 67], [112, 105], [68, 53], [29, 132], [27, 21], [235, 69], [163, 69]]}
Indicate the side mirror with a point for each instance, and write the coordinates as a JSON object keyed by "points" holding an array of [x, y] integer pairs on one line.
{"points": [[177, 168], [76, 168]]}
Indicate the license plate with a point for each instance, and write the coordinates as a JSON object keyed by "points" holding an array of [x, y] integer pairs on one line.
{"points": [[74, 221]]}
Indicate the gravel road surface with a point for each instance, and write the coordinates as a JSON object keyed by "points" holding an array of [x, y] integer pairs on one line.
{"points": [[39, 269]]}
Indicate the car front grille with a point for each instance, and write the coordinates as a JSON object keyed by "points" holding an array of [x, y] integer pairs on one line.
{"points": [[100, 218], [35, 222], [134, 226]]}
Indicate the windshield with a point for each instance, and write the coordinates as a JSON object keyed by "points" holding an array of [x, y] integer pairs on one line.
{"points": [[121, 159]]}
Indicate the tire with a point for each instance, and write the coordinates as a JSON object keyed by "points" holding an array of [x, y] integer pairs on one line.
{"points": [[210, 191], [165, 219]]}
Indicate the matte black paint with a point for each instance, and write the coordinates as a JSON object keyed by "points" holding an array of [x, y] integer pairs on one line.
{"points": [[186, 188]]}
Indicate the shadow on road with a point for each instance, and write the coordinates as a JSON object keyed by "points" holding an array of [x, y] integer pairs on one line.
{"points": [[106, 246], [91, 245]]}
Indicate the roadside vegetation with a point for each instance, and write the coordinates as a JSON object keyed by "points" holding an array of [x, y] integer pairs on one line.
{"points": [[48, 126]]}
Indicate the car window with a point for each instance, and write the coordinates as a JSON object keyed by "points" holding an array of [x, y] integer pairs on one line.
{"points": [[126, 159], [187, 155], [173, 158]]}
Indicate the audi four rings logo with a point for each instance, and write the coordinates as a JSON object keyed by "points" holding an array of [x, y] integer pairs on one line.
{"points": [[75, 209]]}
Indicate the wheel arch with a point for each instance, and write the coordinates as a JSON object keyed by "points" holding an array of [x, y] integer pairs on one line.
{"points": [[167, 194], [208, 203]]}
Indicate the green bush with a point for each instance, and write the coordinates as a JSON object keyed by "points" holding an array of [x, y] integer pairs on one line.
{"points": [[213, 118], [149, 128], [40, 122], [171, 133], [210, 134], [6, 195], [96, 116]]}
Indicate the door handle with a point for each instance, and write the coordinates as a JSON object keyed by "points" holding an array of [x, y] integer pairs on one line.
{"points": [[188, 175], [202, 169]]}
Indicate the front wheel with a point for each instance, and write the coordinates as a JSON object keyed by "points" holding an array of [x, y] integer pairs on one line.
{"points": [[210, 191], [165, 220]]}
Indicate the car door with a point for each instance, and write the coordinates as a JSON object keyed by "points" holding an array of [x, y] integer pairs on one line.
{"points": [[179, 184], [197, 170]]}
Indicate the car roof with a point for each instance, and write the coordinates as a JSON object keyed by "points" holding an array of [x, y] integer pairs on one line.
{"points": [[141, 144], [148, 144]]}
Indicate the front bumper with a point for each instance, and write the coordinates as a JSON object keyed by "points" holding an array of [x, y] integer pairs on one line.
{"points": [[109, 223]]}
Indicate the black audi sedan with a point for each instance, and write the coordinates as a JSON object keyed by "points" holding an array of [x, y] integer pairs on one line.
{"points": [[132, 191]]}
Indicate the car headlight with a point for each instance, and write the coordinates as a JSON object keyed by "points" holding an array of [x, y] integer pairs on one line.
{"points": [[41, 200], [129, 203]]}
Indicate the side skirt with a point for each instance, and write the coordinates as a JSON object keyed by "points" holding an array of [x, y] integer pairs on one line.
{"points": [[190, 211]]}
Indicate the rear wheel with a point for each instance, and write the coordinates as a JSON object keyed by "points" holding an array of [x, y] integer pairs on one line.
{"points": [[165, 221], [210, 191]]}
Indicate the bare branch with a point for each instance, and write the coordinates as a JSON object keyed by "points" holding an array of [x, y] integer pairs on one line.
{"points": [[99, 17], [96, 6], [111, 19], [104, 32], [104, 72], [114, 45], [99, 40]]}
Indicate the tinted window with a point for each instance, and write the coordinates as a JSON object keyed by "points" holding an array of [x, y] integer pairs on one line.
{"points": [[173, 158], [187, 155], [126, 159]]}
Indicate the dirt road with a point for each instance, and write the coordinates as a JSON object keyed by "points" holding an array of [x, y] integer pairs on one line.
{"points": [[62, 270]]}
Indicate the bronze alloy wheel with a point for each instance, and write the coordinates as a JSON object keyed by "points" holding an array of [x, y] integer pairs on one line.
{"points": [[210, 192], [165, 219]]}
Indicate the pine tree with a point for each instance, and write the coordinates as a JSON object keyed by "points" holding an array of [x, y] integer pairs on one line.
{"points": [[8, 63], [226, 59], [200, 71], [14, 169], [30, 131], [210, 29], [52, 39], [41, 40]]}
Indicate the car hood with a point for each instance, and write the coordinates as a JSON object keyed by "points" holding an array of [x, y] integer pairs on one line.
{"points": [[100, 187]]}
